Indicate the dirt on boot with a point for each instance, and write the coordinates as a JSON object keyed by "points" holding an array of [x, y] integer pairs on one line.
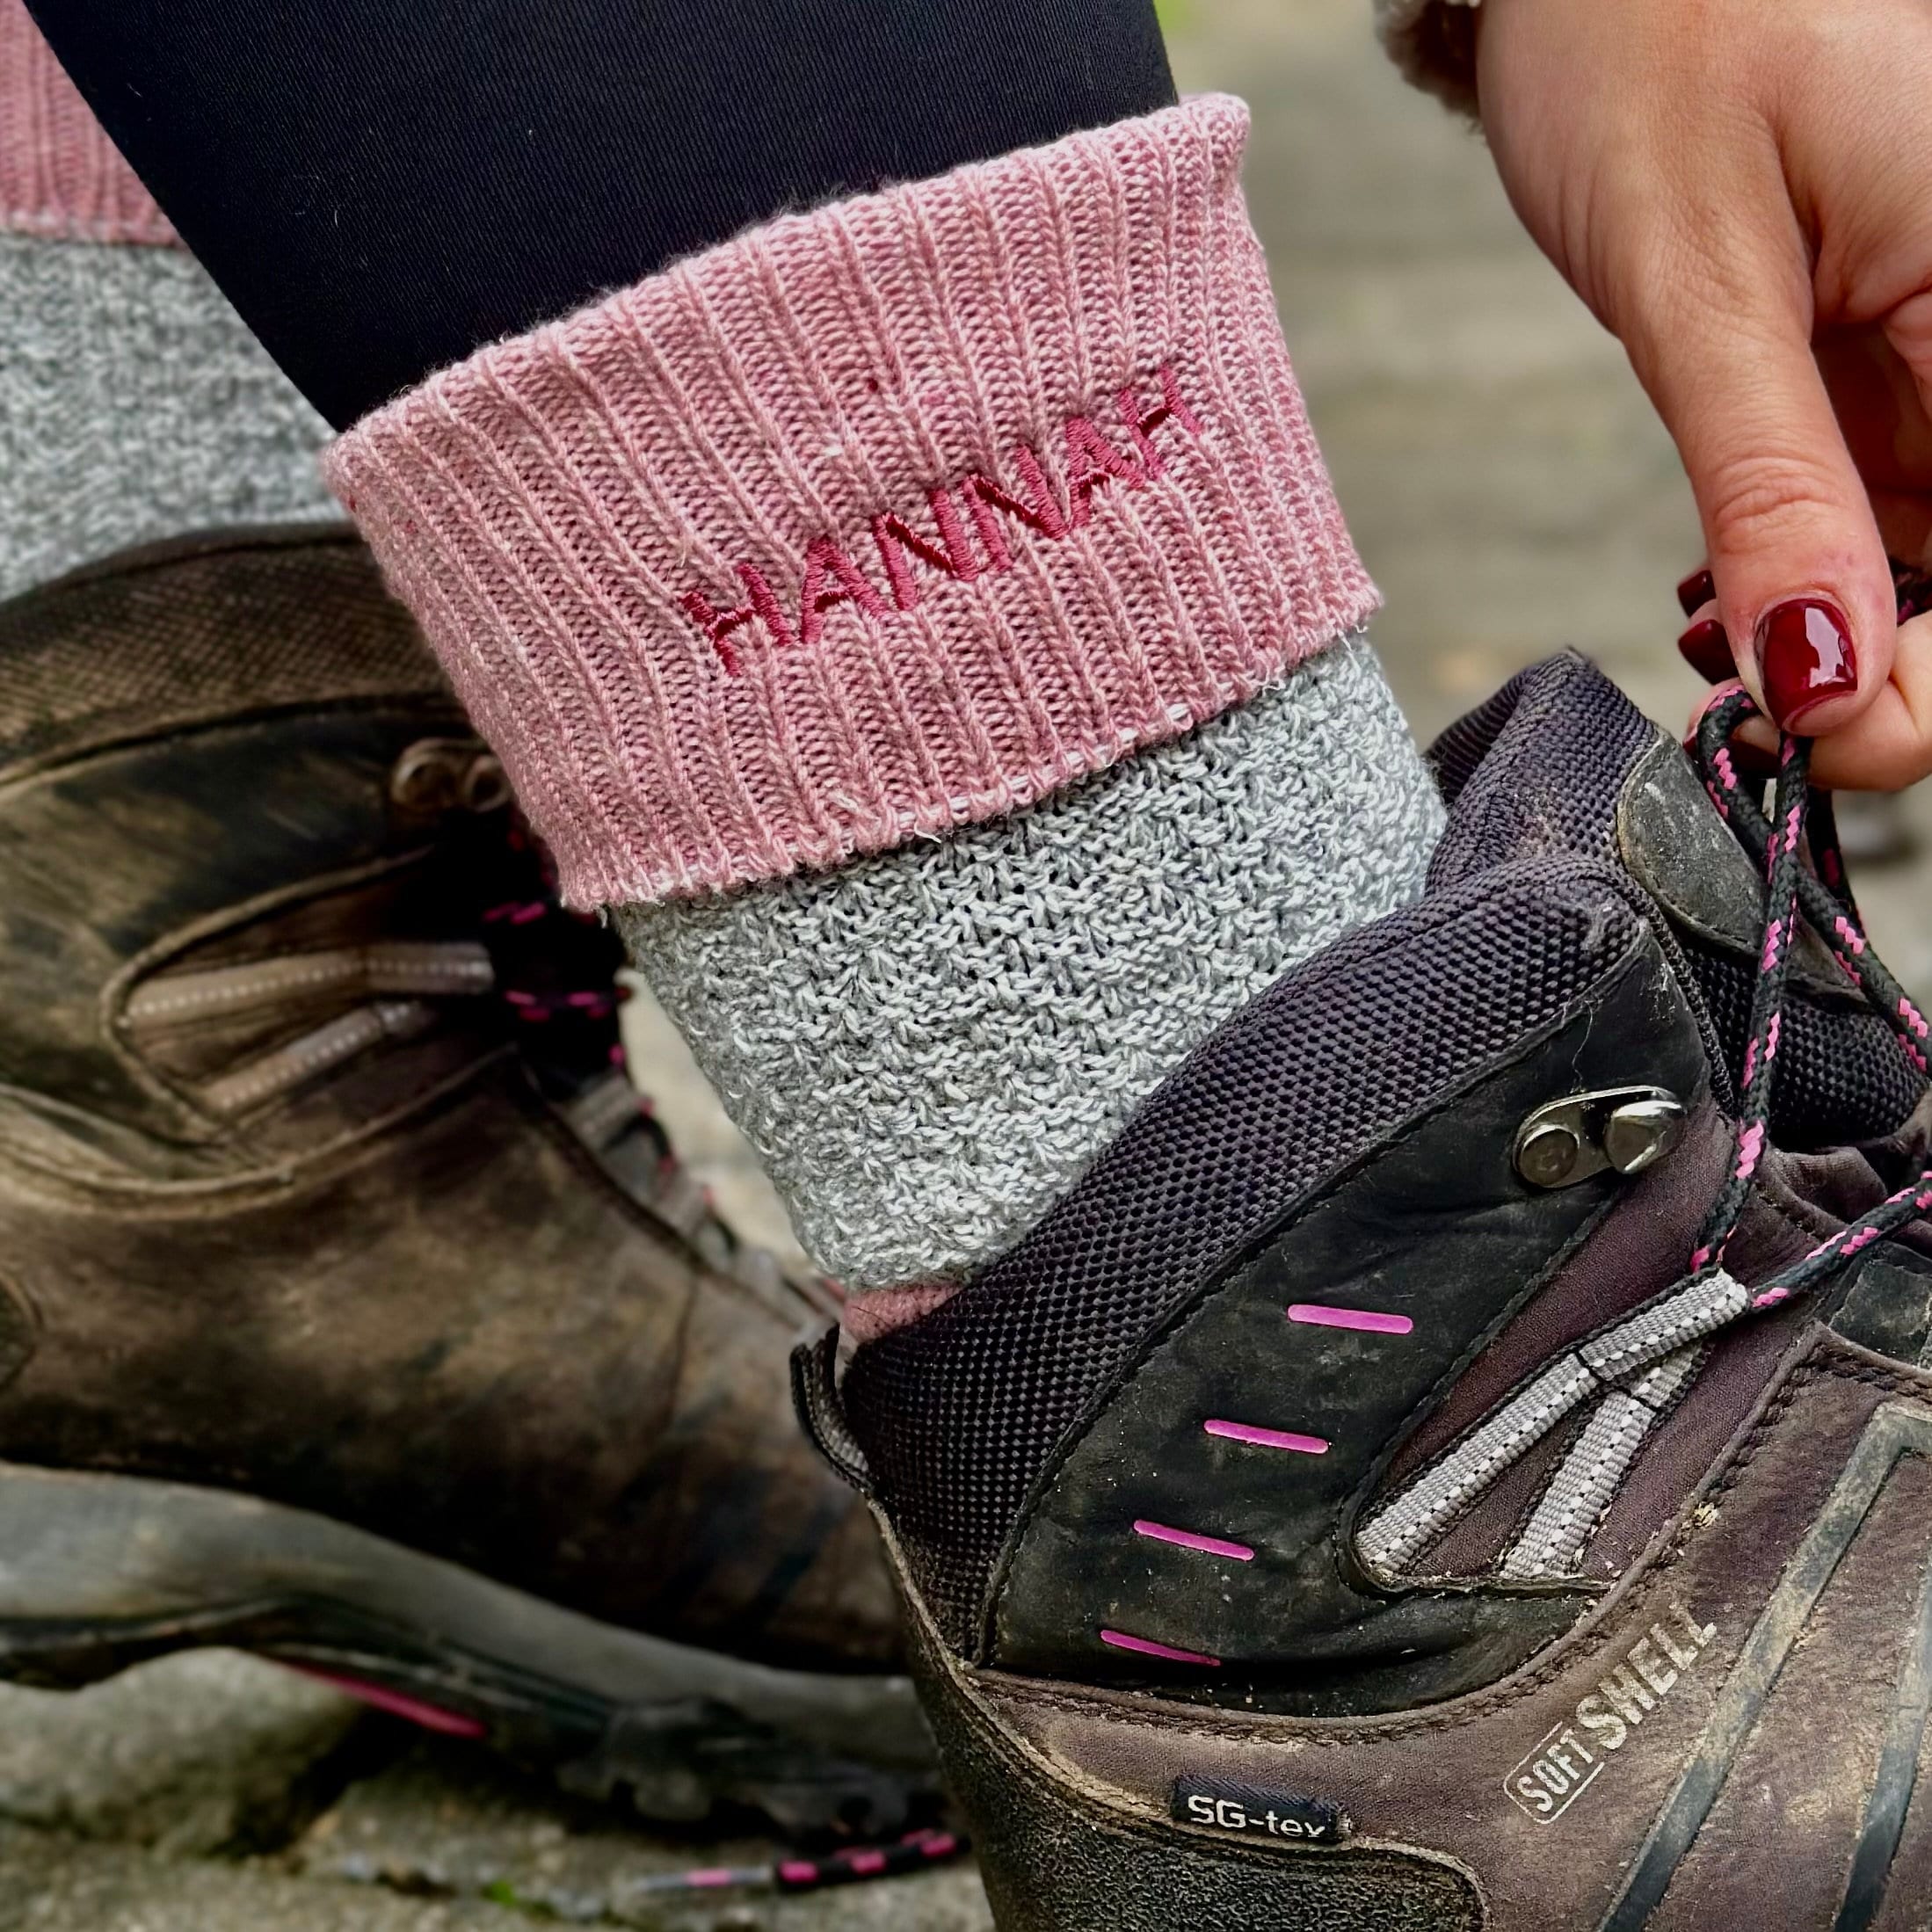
{"points": [[352, 1310], [1462, 1459]]}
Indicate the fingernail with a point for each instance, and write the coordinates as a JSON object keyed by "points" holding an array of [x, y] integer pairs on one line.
{"points": [[1805, 655], [1707, 650], [1696, 591]]}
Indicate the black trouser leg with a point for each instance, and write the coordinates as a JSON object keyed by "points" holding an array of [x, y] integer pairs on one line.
{"points": [[380, 187]]}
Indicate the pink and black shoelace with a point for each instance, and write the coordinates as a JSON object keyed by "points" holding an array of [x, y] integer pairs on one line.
{"points": [[1819, 895], [553, 965], [556, 973]]}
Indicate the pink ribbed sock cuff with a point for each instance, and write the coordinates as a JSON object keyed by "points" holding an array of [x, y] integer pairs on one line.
{"points": [[874, 521], [60, 175]]}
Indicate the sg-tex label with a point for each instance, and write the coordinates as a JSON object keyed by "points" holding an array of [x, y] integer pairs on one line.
{"points": [[1256, 1810]]}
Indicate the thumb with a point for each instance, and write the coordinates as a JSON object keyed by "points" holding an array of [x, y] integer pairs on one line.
{"points": [[1804, 589]]}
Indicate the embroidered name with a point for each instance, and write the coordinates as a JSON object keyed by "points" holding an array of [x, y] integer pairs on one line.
{"points": [[969, 535]]}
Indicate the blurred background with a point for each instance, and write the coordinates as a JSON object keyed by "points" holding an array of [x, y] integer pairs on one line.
{"points": [[1511, 491]]}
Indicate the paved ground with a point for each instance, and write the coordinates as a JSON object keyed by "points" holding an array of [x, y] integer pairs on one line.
{"points": [[1510, 490]]}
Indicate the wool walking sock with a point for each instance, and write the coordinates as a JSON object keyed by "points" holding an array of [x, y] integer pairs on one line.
{"points": [[134, 403], [927, 622], [927, 1046]]}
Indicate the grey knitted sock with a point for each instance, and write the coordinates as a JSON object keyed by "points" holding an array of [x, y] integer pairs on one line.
{"points": [[926, 1047], [135, 405]]}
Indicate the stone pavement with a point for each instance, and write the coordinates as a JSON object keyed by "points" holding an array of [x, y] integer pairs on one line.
{"points": [[1510, 490], [217, 1793]]}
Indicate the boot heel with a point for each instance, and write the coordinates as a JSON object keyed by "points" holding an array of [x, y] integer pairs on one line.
{"points": [[1056, 1858]]}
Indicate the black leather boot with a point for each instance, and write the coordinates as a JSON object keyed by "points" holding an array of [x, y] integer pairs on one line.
{"points": [[1463, 1457]]}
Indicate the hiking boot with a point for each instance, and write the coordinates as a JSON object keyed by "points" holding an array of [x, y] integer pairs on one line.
{"points": [[1461, 1457], [352, 1311]]}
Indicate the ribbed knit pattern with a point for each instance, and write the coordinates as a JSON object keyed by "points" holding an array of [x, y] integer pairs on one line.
{"points": [[877, 521], [60, 175], [928, 1046], [1434, 43]]}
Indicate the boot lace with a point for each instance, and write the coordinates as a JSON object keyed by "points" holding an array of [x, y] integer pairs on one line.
{"points": [[1820, 894], [1638, 1367], [556, 973]]}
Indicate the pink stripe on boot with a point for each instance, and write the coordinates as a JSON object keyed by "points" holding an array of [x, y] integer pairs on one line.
{"points": [[60, 175], [876, 521]]}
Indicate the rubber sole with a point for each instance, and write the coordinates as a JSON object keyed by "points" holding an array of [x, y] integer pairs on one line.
{"points": [[98, 1572]]}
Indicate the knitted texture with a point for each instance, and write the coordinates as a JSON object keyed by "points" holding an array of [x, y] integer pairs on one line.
{"points": [[135, 405], [1434, 43], [878, 520], [928, 1047], [60, 175]]}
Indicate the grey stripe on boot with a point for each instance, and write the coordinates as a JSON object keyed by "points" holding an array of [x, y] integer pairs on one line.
{"points": [[926, 1047], [135, 405]]}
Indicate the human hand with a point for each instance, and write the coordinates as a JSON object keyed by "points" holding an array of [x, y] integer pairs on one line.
{"points": [[1742, 193]]}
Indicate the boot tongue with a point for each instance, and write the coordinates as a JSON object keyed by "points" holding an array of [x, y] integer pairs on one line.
{"points": [[1540, 767], [1559, 760]]}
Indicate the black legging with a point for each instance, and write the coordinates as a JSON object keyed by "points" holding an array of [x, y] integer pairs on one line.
{"points": [[382, 185]]}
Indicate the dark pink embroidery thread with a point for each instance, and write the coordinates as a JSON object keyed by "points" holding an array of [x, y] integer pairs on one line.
{"points": [[832, 577], [1171, 408], [894, 537]]}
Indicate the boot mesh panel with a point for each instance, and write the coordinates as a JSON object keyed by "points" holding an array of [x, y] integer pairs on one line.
{"points": [[1465, 744], [1542, 768], [1840, 1076], [959, 1414], [202, 628]]}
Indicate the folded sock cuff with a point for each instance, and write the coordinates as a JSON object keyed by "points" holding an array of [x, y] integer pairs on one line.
{"points": [[876, 521], [61, 177]]}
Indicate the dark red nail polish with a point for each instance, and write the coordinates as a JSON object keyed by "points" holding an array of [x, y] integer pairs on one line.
{"points": [[1707, 650], [1696, 591], [1805, 655]]}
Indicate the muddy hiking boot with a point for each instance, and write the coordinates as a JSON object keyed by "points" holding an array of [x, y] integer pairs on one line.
{"points": [[352, 1311], [1461, 1457]]}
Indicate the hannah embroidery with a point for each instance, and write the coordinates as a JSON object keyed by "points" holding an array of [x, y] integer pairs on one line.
{"points": [[968, 536]]}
